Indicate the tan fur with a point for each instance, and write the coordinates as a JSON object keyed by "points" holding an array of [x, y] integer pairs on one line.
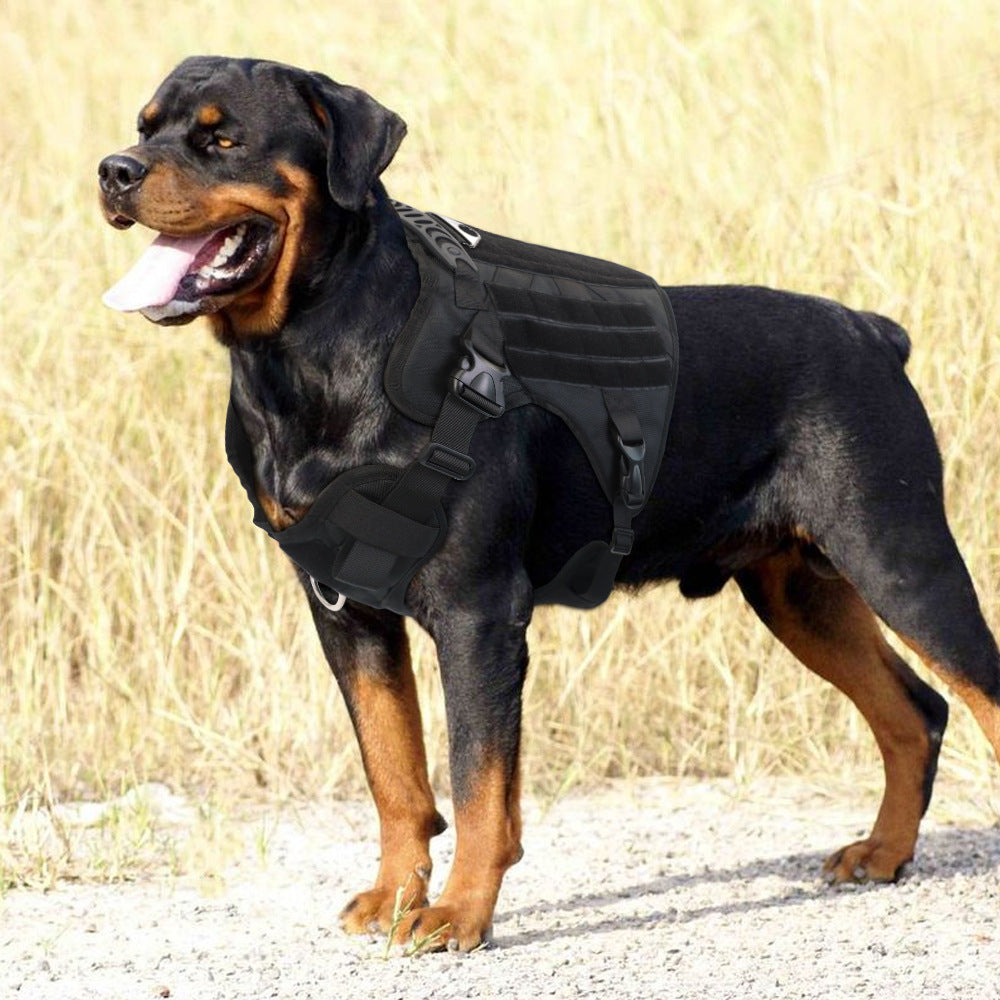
{"points": [[984, 710], [279, 515], [387, 717], [209, 115], [171, 202], [488, 835]]}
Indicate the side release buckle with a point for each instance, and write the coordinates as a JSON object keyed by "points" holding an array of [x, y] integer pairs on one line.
{"points": [[633, 486], [479, 382]]}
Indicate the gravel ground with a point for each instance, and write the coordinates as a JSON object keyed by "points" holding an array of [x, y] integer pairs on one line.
{"points": [[654, 889]]}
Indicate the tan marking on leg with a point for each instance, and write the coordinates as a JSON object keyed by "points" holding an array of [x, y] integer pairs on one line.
{"points": [[488, 842], [984, 710], [834, 633], [386, 716]]}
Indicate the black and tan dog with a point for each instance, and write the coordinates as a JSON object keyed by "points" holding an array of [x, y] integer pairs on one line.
{"points": [[800, 463]]}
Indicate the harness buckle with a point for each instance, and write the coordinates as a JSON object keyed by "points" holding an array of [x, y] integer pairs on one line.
{"points": [[440, 458], [633, 487], [479, 382]]}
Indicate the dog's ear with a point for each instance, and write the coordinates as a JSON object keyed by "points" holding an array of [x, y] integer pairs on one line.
{"points": [[362, 137]]}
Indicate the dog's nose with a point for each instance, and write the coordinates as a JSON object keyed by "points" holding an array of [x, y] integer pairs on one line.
{"points": [[119, 173]]}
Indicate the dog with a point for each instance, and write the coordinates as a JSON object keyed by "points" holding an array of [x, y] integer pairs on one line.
{"points": [[800, 463]]}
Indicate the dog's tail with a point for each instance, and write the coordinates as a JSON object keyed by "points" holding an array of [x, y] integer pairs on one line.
{"points": [[891, 333]]}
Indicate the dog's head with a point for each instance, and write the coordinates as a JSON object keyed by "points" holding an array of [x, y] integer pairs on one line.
{"points": [[240, 166]]}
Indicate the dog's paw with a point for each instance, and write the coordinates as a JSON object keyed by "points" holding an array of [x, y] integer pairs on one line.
{"points": [[868, 860], [445, 927], [374, 911]]}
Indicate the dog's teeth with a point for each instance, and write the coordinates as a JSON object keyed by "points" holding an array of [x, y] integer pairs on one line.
{"points": [[207, 273], [210, 271], [227, 248]]}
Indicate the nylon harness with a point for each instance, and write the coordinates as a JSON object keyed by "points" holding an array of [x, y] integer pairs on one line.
{"points": [[497, 324]]}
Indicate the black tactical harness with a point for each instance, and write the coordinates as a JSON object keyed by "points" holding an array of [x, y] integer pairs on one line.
{"points": [[588, 340]]}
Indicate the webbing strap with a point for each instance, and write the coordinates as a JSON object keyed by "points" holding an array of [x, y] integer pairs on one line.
{"points": [[370, 522], [422, 485], [418, 492]]}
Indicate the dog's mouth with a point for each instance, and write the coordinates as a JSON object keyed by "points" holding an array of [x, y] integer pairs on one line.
{"points": [[181, 277]]}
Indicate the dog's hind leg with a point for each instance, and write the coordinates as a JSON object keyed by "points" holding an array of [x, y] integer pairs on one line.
{"points": [[368, 652], [928, 600], [865, 483], [821, 618]]}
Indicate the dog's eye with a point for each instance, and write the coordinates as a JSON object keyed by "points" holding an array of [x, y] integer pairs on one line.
{"points": [[223, 141]]}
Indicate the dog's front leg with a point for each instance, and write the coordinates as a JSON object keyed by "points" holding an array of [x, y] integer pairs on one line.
{"points": [[369, 654], [483, 656]]}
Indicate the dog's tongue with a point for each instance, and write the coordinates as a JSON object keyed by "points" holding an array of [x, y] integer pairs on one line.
{"points": [[154, 277]]}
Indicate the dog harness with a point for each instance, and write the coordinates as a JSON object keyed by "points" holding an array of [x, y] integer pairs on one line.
{"points": [[497, 324]]}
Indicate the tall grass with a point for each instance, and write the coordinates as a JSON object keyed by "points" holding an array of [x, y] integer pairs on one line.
{"points": [[148, 631]]}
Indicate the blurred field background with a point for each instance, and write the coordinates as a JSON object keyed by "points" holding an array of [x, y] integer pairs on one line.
{"points": [[148, 632]]}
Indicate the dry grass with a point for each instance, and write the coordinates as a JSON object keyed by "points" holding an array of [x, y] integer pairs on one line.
{"points": [[847, 149]]}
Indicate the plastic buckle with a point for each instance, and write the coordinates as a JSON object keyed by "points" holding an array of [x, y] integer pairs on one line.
{"points": [[633, 487], [460, 467], [479, 383]]}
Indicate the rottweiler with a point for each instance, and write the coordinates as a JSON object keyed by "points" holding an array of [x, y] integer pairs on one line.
{"points": [[800, 463]]}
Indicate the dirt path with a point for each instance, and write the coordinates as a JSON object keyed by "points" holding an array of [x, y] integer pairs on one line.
{"points": [[661, 889]]}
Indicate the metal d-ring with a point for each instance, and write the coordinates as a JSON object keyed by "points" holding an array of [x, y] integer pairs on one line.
{"points": [[341, 599]]}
